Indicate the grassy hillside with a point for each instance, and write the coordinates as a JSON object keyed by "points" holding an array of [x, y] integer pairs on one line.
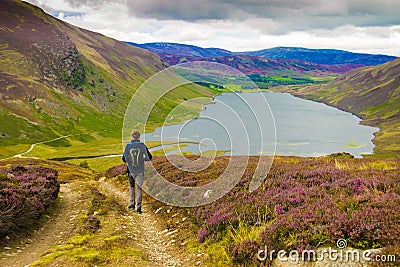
{"points": [[373, 93], [60, 80]]}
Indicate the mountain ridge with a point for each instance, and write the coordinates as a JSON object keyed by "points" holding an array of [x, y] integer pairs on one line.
{"points": [[294, 62], [318, 56], [185, 50], [322, 56]]}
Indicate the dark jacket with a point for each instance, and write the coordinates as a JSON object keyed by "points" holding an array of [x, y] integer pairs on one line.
{"points": [[144, 155]]}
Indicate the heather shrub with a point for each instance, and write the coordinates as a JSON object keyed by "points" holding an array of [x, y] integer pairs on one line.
{"points": [[116, 171], [245, 252], [303, 205], [25, 193]]}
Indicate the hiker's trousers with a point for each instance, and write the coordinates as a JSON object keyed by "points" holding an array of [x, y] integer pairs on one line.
{"points": [[135, 189]]}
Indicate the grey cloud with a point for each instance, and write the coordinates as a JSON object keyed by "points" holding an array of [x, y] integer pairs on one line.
{"points": [[93, 3], [297, 15], [375, 13], [274, 16], [72, 5], [193, 10], [188, 10]]}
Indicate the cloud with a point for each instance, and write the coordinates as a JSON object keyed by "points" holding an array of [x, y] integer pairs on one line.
{"points": [[187, 10], [278, 16], [357, 25], [295, 15]]}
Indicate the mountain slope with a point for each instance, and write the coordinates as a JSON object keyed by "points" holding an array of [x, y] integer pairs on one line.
{"points": [[373, 93], [57, 79], [322, 56], [183, 50]]}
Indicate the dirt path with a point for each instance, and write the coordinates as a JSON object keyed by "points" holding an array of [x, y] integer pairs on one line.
{"points": [[56, 230], [158, 244]]}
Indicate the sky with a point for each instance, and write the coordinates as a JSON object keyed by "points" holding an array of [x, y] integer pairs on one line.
{"points": [[368, 26]]}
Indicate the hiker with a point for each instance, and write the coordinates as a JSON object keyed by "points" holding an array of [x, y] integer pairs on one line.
{"points": [[134, 155]]}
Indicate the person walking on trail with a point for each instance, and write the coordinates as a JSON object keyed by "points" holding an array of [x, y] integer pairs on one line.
{"points": [[135, 154]]}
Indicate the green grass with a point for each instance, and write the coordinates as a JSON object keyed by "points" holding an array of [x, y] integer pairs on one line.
{"points": [[9, 151], [379, 165], [212, 153], [353, 144], [99, 164], [176, 147], [20, 131], [97, 147]]}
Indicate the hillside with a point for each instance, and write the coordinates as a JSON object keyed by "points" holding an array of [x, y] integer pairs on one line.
{"points": [[183, 50], [373, 93], [54, 75], [322, 56], [57, 79]]}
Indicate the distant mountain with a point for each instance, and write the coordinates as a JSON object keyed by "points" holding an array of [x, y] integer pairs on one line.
{"points": [[294, 61], [183, 50], [317, 56], [321, 56], [173, 53], [58, 79], [373, 93]]}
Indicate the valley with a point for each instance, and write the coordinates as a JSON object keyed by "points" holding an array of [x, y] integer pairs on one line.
{"points": [[369, 88]]}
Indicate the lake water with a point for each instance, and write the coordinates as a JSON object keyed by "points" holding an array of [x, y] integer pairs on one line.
{"points": [[269, 123]]}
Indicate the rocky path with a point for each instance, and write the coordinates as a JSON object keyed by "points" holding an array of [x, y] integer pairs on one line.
{"points": [[157, 244]]}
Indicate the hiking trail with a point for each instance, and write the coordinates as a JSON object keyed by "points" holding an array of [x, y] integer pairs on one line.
{"points": [[157, 244]]}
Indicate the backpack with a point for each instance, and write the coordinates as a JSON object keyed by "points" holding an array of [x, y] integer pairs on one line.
{"points": [[135, 154]]}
